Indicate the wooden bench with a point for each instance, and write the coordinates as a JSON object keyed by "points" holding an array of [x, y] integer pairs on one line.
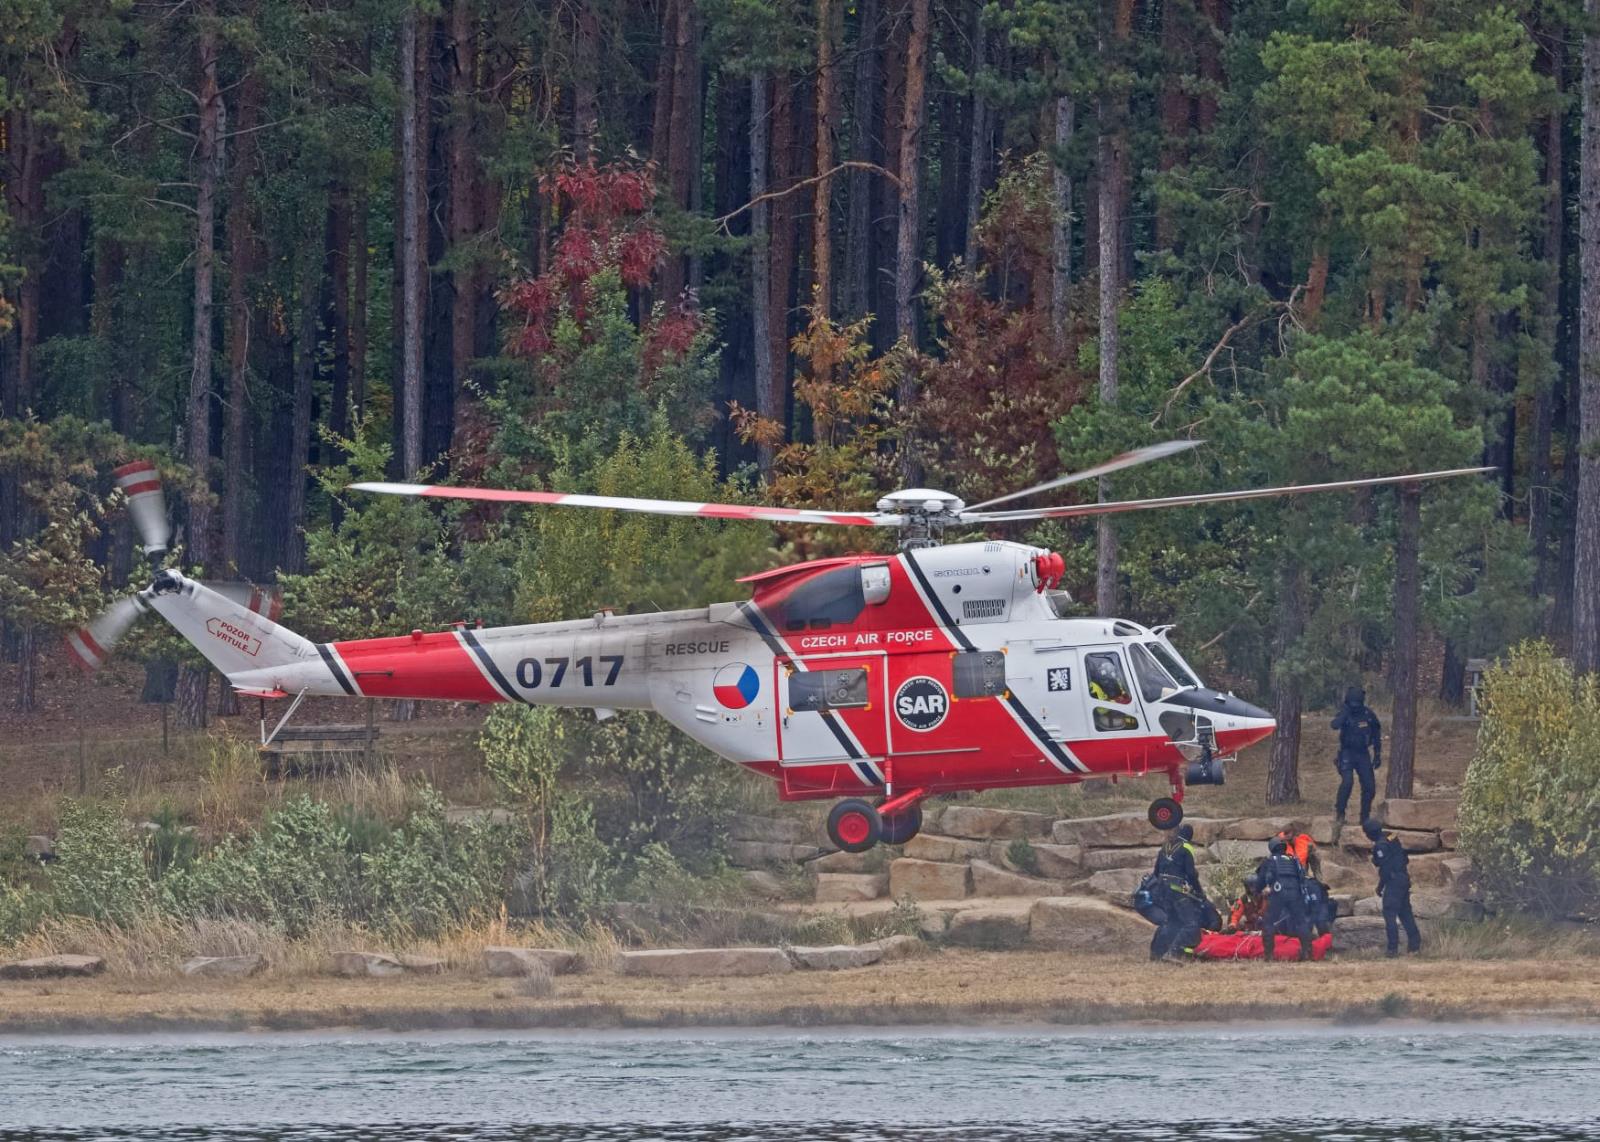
{"points": [[316, 751]]}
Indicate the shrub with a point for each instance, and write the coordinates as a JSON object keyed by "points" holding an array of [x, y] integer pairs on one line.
{"points": [[1023, 855], [99, 870], [1530, 809]]}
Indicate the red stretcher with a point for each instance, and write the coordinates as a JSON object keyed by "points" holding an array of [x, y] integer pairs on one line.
{"points": [[1247, 946]]}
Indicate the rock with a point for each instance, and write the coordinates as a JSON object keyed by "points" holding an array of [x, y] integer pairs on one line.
{"points": [[507, 963], [1421, 815], [1324, 830], [1444, 906], [902, 947], [1450, 839], [1356, 841], [995, 929], [1206, 829], [948, 849], [869, 861], [421, 965], [462, 815], [1116, 885], [754, 854], [928, 880], [771, 830], [52, 967], [682, 963], [1344, 903], [232, 967], [1428, 871], [839, 957], [989, 880], [1359, 934], [1234, 851], [1085, 924], [39, 848], [1460, 876], [989, 824], [1116, 831], [759, 882], [1060, 862], [1098, 860], [365, 964], [850, 887], [1258, 828], [1336, 875]]}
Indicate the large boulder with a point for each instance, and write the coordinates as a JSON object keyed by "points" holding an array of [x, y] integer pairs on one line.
{"points": [[1206, 829], [836, 958], [1359, 934], [52, 967], [754, 854], [929, 880], [354, 964], [995, 929], [869, 861], [225, 967], [1460, 876], [949, 849], [1234, 851], [1429, 815], [1450, 838], [1098, 860], [1342, 876], [983, 824], [1114, 831], [1428, 870], [1344, 904], [681, 963], [990, 880], [771, 830], [850, 887], [1260, 828], [1324, 830], [509, 963], [1085, 924], [1060, 862], [1116, 885]]}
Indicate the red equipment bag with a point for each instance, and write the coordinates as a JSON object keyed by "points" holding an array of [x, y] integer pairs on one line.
{"points": [[1247, 946]]}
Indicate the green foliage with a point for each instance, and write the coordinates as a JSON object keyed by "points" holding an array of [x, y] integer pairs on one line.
{"points": [[1023, 855], [1530, 808], [99, 871]]}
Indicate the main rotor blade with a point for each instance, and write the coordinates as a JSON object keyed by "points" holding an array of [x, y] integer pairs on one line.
{"points": [[1210, 497], [1115, 464], [91, 645], [264, 601], [141, 483], [630, 504]]}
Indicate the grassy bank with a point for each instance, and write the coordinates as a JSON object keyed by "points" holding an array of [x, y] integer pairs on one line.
{"points": [[950, 987]]}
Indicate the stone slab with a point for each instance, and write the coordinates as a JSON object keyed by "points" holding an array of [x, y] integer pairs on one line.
{"points": [[1085, 924], [1098, 860], [1234, 850], [376, 964], [1354, 840], [1060, 862], [849, 887], [869, 861], [770, 830], [1116, 885], [902, 947], [839, 957], [990, 880], [948, 849], [508, 963], [52, 967], [224, 967], [1114, 831], [1261, 828], [976, 823], [929, 880], [1206, 829], [760, 882], [1450, 838], [421, 965], [995, 929], [684, 963], [1424, 815], [755, 854]]}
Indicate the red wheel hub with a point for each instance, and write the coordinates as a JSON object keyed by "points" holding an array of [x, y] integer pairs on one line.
{"points": [[854, 828], [1163, 814]]}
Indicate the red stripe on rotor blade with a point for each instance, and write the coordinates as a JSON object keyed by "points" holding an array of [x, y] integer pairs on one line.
{"points": [[139, 489], [434, 666], [133, 467], [94, 647], [80, 655]]}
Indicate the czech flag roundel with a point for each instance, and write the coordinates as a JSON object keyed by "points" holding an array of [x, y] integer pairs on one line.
{"points": [[736, 685]]}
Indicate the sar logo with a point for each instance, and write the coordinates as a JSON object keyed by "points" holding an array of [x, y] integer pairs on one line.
{"points": [[736, 685], [921, 703]]}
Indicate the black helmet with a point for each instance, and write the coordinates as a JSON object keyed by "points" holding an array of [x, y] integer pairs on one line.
{"points": [[1355, 696], [1252, 882], [1277, 845], [1186, 832], [1372, 827]]}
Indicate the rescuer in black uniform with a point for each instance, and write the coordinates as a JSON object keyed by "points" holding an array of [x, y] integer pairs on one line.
{"points": [[1178, 913], [1360, 751], [1284, 880], [1394, 887], [1176, 858]]}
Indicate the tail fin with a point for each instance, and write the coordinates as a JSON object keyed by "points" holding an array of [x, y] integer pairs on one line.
{"points": [[233, 637]]}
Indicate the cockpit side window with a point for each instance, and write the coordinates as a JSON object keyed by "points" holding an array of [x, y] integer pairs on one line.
{"points": [[833, 598], [1153, 681], [1172, 663], [1107, 682]]}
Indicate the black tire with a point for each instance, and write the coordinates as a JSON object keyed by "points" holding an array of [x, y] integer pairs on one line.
{"points": [[1165, 813], [900, 827], [854, 826]]}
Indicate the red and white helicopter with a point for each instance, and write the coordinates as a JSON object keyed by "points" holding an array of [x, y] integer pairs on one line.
{"points": [[879, 679]]}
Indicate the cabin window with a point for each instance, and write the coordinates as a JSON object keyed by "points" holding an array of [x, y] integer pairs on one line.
{"points": [[1153, 681], [819, 690], [1107, 720], [1107, 682], [832, 598], [979, 674]]}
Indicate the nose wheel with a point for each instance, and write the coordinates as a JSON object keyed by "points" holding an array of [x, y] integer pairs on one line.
{"points": [[854, 826]]}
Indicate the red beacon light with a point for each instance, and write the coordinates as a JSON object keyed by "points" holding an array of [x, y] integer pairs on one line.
{"points": [[1049, 568]]}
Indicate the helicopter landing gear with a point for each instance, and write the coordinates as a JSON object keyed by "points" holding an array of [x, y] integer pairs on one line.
{"points": [[900, 827], [1167, 812], [854, 826]]}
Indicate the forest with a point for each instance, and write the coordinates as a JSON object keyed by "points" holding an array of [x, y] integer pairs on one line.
{"points": [[804, 252]]}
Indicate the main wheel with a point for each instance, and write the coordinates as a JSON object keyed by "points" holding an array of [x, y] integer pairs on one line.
{"points": [[1165, 813], [854, 826], [898, 828]]}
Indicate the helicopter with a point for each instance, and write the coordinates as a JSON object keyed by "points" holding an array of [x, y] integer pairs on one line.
{"points": [[873, 680]]}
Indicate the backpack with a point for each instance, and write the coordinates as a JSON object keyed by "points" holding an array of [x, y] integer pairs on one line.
{"points": [[1355, 731]]}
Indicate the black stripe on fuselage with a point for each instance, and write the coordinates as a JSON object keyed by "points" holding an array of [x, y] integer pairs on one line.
{"points": [[335, 669], [500, 681], [759, 624], [942, 615]]}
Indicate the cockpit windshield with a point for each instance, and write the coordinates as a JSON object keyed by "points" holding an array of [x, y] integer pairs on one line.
{"points": [[1153, 681], [1173, 665]]}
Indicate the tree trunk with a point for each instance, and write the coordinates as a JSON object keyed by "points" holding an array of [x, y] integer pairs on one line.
{"points": [[463, 179], [767, 402], [189, 696], [781, 243], [410, 251], [241, 265], [1403, 673], [1283, 764], [209, 159], [978, 147], [861, 186], [360, 268], [27, 697], [828, 32], [1541, 474], [908, 242], [683, 127], [1061, 270], [1586, 555], [1112, 148], [306, 355], [585, 77]]}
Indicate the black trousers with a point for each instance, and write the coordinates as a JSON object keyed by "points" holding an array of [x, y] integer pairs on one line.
{"points": [[1285, 918], [1352, 766], [1397, 912]]}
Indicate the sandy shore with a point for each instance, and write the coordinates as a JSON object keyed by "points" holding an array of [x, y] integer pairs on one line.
{"points": [[946, 988]]}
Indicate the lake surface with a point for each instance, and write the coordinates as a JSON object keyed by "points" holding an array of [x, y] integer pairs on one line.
{"points": [[1411, 1082]]}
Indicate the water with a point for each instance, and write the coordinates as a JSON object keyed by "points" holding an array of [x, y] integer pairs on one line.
{"points": [[1418, 1082]]}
